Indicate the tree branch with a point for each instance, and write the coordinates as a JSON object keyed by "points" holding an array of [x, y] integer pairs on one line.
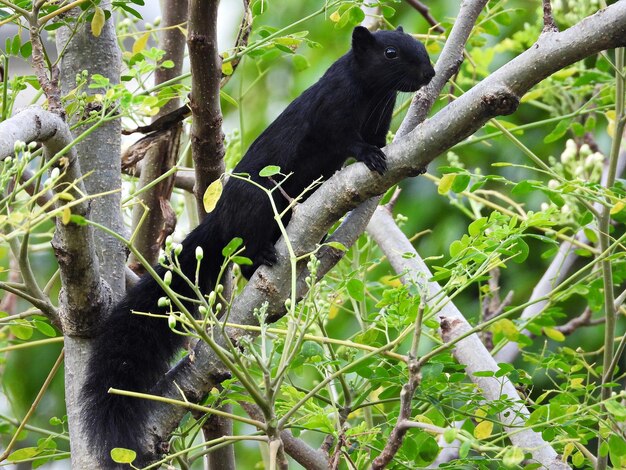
{"points": [[425, 12], [207, 138], [469, 351]]}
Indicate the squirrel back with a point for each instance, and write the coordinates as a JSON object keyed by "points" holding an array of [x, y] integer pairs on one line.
{"points": [[347, 113]]}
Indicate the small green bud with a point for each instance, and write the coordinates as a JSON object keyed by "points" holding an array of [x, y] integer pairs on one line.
{"points": [[163, 302], [178, 249], [212, 296], [199, 253], [19, 146], [168, 243], [219, 288], [167, 279], [171, 321], [203, 310]]}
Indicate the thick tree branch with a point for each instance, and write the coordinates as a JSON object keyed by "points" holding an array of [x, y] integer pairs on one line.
{"points": [[469, 351], [497, 94], [207, 138], [74, 244]]}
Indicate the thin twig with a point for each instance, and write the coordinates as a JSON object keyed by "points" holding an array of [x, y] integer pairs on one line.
{"points": [[549, 26], [425, 12]]}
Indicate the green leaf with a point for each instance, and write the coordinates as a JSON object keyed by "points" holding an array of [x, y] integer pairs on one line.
{"points": [[558, 132], [45, 328], [259, 7], [231, 247], [491, 27], [229, 99], [388, 11], [616, 409], [26, 50], [121, 455], [23, 454], [522, 249], [22, 329], [355, 289], [475, 228], [300, 62], [16, 44], [512, 457], [460, 183], [269, 170], [337, 246], [242, 260]]}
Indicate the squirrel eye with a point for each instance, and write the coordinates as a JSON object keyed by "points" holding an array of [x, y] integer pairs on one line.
{"points": [[391, 52]]}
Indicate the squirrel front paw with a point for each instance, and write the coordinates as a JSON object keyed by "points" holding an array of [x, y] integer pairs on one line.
{"points": [[267, 256], [374, 158]]}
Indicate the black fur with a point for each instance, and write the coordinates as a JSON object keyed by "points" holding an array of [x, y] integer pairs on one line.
{"points": [[346, 113]]}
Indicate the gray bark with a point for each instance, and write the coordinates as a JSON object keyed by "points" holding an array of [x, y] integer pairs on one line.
{"points": [[99, 154]]}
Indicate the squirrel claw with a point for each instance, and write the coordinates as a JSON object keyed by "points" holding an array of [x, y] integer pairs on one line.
{"points": [[375, 159]]}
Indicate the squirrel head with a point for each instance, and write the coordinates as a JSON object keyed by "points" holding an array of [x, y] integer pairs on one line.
{"points": [[391, 60]]}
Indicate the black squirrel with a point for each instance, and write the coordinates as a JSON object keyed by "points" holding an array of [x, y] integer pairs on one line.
{"points": [[346, 113]]}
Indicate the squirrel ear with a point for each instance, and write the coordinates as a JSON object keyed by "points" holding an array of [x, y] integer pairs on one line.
{"points": [[361, 38], [399, 28]]}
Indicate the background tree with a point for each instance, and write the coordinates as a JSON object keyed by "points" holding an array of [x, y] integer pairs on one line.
{"points": [[371, 361]]}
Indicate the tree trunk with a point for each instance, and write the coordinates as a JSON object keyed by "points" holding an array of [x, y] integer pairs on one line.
{"points": [[99, 156]]}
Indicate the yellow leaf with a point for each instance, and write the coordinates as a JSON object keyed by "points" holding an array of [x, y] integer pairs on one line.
{"points": [[335, 17], [619, 205], [610, 117], [212, 195], [433, 47], [97, 23], [565, 73], [333, 311], [66, 196], [577, 382], [532, 95], [446, 183], [483, 430], [391, 281], [480, 413], [506, 327], [140, 43], [553, 333], [66, 215], [227, 68]]}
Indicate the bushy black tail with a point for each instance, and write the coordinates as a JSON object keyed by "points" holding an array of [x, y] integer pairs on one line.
{"points": [[132, 352]]}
